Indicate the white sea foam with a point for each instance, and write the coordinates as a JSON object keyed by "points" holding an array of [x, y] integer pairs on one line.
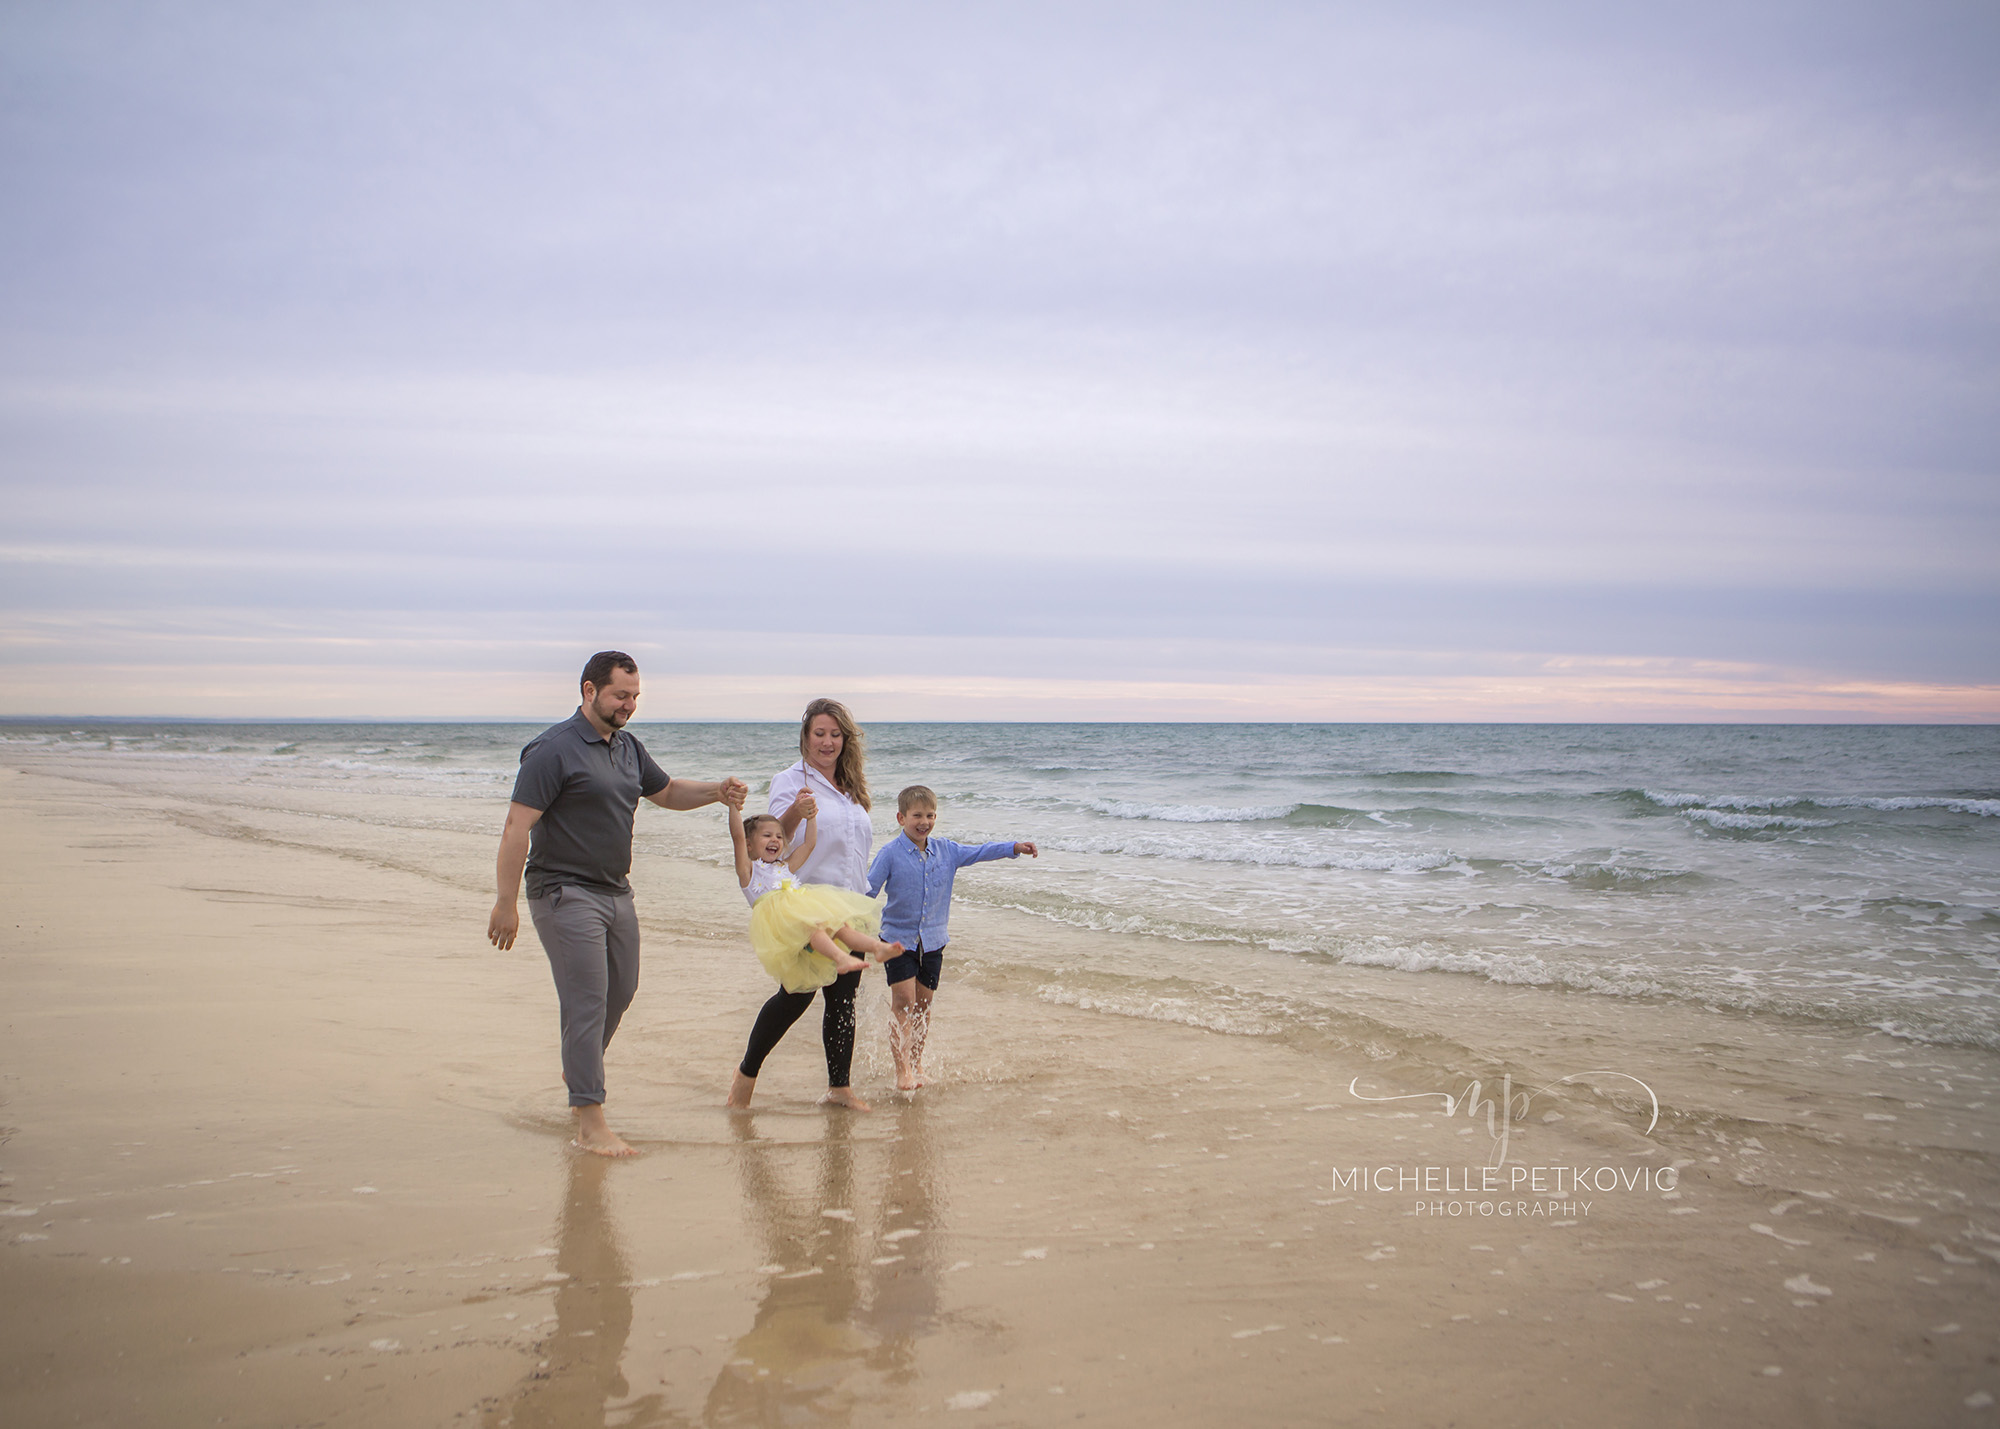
{"points": [[1718, 801], [1190, 813], [1982, 808], [1752, 823], [1615, 872], [1506, 967], [1290, 853], [1900, 803], [1185, 1011]]}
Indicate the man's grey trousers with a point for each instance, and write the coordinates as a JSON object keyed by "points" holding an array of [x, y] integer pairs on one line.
{"points": [[592, 940]]}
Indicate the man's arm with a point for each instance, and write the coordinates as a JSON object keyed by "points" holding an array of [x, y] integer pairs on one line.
{"points": [[504, 924], [685, 794]]}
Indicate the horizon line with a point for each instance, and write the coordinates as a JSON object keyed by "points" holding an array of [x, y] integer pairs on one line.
{"points": [[1718, 723]]}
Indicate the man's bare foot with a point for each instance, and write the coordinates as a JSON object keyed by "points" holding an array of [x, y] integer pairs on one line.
{"points": [[844, 1096], [594, 1136], [741, 1089]]}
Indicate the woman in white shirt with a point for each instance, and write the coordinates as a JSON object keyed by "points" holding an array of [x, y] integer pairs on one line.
{"points": [[830, 771]]}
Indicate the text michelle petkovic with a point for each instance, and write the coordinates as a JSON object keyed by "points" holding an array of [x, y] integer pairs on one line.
{"points": [[1558, 1194], [1503, 1191]]}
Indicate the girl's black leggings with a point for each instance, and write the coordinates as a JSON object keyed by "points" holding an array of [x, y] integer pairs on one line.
{"points": [[776, 1016]]}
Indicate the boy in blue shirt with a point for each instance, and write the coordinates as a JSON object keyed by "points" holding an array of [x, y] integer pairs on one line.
{"points": [[918, 871]]}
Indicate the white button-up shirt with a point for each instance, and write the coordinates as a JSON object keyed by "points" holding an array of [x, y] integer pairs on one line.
{"points": [[845, 831]]}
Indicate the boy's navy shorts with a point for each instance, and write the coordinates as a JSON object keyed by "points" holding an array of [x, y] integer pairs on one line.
{"points": [[925, 967]]}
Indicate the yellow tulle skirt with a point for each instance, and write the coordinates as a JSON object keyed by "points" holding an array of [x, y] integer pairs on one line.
{"points": [[783, 919]]}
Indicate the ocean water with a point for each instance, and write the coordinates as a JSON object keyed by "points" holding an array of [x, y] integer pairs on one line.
{"points": [[1835, 873]]}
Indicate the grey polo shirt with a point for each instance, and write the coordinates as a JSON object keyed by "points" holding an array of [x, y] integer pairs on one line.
{"points": [[587, 789]]}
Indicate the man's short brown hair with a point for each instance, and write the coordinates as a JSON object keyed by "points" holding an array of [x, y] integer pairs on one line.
{"points": [[597, 670], [914, 795]]}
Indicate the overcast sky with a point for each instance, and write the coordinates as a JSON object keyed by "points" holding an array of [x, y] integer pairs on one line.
{"points": [[1015, 361]]}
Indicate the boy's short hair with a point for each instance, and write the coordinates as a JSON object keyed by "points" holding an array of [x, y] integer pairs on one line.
{"points": [[911, 797], [750, 822]]}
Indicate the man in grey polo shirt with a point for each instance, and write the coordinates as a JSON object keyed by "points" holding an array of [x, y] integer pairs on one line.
{"points": [[570, 824]]}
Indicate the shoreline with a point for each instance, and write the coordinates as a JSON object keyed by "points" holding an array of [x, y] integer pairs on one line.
{"points": [[232, 1051]]}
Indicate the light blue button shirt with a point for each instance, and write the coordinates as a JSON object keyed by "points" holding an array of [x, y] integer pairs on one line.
{"points": [[919, 881]]}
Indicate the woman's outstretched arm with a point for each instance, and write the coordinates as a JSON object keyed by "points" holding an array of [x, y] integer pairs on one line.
{"points": [[804, 851]]}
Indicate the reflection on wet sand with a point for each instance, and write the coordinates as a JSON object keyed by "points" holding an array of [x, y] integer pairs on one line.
{"points": [[903, 1274], [859, 1280], [580, 1380]]}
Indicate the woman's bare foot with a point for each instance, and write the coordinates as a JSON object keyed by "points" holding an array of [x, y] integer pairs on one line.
{"points": [[844, 1096], [594, 1136], [741, 1089]]}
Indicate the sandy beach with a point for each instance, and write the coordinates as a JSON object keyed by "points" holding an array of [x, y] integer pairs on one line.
{"points": [[285, 1144]]}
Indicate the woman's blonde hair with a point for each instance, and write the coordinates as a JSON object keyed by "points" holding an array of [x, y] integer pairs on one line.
{"points": [[848, 775]]}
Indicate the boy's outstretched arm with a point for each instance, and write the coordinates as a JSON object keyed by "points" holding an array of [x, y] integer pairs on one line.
{"points": [[979, 853], [878, 870]]}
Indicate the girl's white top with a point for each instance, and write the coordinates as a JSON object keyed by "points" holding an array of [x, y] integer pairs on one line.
{"points": [[846, 833], [764, 877]]}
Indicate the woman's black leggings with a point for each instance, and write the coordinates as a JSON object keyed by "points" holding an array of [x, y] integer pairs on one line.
{"points": [[836, 1027]]}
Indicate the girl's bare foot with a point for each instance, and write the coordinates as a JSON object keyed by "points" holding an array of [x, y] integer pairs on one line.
{"points": [[741, 1089], [844, 1096], [836, 952], [877, 950]]}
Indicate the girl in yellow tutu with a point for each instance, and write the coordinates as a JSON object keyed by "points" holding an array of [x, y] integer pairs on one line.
{"points": [[805, 934]]}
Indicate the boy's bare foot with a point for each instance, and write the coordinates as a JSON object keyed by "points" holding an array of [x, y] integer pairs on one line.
{"points": [[844, 1096], [594, 1136], [908, 1081], [741, 1089]]}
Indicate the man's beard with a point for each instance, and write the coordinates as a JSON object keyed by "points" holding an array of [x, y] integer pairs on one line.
{"points": [[614, 717]]}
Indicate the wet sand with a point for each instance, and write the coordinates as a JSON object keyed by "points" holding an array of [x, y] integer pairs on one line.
{"points": [[285, 1144]]}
